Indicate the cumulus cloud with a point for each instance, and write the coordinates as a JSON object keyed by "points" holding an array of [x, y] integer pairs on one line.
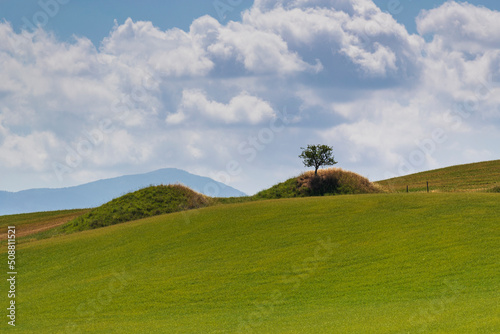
{"points": [[462, 58], [242, 108], [369, 38], [462, 26], [172, 53], [27, 153], [348, 74], [259, 51]]}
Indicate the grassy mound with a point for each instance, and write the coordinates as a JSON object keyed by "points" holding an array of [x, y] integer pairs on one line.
{"points": [[481, 176], [384, 263], [332, 181], [147, 202]]}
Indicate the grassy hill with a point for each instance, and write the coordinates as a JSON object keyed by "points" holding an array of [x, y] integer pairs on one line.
{"points": [[331, 181], [157, 200], [143, 203], [384, 263], [482, 176]]}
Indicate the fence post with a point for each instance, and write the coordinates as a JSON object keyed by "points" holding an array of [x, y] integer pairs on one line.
{"points": [[427, 186]]}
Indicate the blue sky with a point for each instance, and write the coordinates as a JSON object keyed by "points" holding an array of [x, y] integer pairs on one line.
{"points": [[395, 86], [95, 18], [405, 11]]}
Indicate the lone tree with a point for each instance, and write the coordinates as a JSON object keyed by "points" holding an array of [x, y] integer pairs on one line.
{"points": [[317, 156]]}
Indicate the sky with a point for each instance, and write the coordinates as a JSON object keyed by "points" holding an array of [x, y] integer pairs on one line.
{"points": [[232, 89]]}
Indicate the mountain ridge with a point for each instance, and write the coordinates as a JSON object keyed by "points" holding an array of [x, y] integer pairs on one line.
{"points": [[98, 192]]}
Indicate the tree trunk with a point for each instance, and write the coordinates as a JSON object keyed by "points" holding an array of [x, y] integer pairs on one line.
{"points": [[316, 171]]}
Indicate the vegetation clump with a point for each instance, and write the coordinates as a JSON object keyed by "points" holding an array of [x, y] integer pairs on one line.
{"points": [[332, 181], [495, 189], [147, 202]]}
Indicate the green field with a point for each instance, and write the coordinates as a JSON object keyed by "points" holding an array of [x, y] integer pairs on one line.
{"points": [[25, 219], [381, 263], [35, 225], [481, 176]]}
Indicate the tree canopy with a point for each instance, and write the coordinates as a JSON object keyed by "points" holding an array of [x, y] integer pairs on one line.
{"points": [[317, 156]]}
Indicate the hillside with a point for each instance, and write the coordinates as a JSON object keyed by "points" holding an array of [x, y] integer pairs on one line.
{"points": [[381, 263], [482, 176], [147, 202], [99, 192], [331, 181], [39, 222], [157, 200]]}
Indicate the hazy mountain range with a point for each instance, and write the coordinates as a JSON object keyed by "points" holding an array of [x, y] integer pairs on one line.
{"points": [[99, 192]]}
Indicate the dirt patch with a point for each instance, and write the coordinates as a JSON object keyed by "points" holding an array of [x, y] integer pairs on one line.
{"points": [[29, 229]]}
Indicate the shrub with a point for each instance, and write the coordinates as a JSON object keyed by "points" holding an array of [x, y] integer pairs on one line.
{"points": [[495, 189], [335, 181]]}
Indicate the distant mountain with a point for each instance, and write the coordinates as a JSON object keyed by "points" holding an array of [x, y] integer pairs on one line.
{"points": [[96, 193]]}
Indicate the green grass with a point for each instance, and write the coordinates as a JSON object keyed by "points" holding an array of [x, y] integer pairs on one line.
{"points": [[143, 203], [31, 226], [390, 263], [36, 217], [482, 176]]}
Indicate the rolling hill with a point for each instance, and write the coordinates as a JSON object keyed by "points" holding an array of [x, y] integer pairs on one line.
{"points": [[143, 203], [381, 263], [99, 192], [330, 181], [156, 200], [482, 176]]}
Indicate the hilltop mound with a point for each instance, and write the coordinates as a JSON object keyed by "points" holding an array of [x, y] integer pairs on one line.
{"points": [[480, 176], [332, 181], [147, 202]]}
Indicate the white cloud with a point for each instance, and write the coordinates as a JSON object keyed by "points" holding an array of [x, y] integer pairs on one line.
{"points": [[376, 63], [369, 38], [462, 26], [241, 108], [258, 50], [171, 53], [26, 153], [347, 72]]}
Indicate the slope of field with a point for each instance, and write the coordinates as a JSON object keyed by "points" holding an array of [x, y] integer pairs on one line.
{"points": [[31, 223], [386, 263], [482, 176]]}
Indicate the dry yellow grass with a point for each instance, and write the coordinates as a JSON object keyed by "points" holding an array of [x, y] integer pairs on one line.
{"points": [[345, 181], [475, 177]]}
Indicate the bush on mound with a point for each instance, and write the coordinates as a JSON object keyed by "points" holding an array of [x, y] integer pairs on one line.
{"points": [[147, 202], [332, 181], [495, 189]]}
